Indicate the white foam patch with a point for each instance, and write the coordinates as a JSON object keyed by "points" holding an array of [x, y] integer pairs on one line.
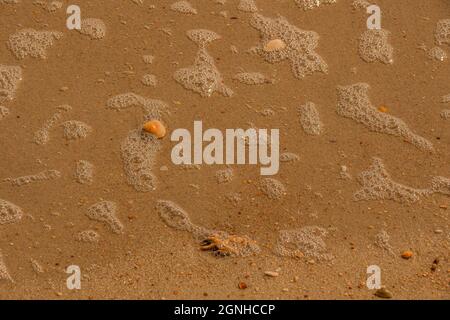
{"points": [[305, 242], [354, 103], [378, 185], [84, 173], [247, 6], [9, 212], [42, 136], [33, 43], [10, 77], [442, 33], [312, 4], [106, 213], [4, 273], [272, 188], [41, 176], [75, 130], [299, 47], [252, 78], [374, 46], [183, 7], [202, 77], [93, 28], [310, 119]]}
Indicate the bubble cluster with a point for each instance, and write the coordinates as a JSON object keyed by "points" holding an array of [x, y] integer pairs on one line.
{"points": [[378, 185], [33, 43], [138, 152], [440, 185], [149, 80], [105, 212], [89, 236], [224, 176], [247, 6], [4, 273], [252, 78], [310, 119], [289, 157], [41, 176], [152, 108], [9, 212], [360, 4], [203, 77], [437, 53], [354, 103], [445, 114], [37, 267], [74, 130], [272, 188], [183, 7], [218, 241], [50, 6], [442, 33], [10, 77], [84, 173], [94, 28], [299, 47], [148, 59], [374, 46], [382, 240], [305, 242], [4, 112], [42, 136], [311, 4], [446, 98]]}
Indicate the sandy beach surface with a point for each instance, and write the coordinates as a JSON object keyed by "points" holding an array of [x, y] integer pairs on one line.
{"points": [[364, 139]]}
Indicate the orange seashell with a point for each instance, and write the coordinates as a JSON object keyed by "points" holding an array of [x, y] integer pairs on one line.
{"points": [[156, 128], [407, 254], [274, 45], [383, 109]]}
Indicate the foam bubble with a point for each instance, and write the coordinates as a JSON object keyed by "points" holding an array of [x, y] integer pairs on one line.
{"points": [[90, 236], [4, 112], [382, 240], [221, 243], [50, 6], [272, 188], [300, 45], [37, 267], [437, 53], [445, 114], [4, 273], [224, 176], [440, 185], [84, 172], [149, 80], [105, 212], [10, 77], [153, 108], [42, 136], [442, 33], [183, 7], [138, 152], [378, 185], [310, 119], [94, 28], [9, 212], [74, 130], [311, 4], [289, 157], [446, 98], [374, 46], [203, 77], [41, 176], [148, 59], [305, 242], [33, 43], [251, 78], [247, 6], [354, 103], [360, 4], [202, 37]]}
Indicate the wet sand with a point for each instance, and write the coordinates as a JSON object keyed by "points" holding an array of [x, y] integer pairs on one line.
{"points": [[81, 203]]}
